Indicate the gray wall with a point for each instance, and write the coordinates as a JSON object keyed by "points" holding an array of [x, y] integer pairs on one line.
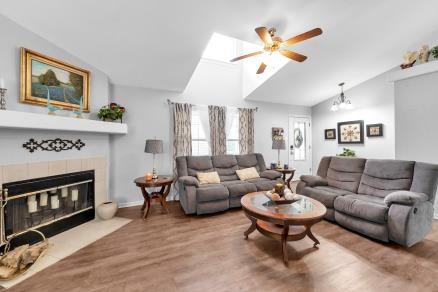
{"points": [[373, 102], [416, 118], [148, 116], [13, 37]]}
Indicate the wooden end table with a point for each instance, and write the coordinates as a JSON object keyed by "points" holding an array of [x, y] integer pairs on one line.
{"points": [[288, 222], [291, 173], [163, 181]]}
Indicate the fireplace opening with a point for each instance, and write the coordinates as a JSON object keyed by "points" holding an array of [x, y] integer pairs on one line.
{"points": [[50, 204]]}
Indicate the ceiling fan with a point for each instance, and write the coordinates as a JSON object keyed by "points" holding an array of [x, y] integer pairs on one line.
{"points": [[274, 43]]}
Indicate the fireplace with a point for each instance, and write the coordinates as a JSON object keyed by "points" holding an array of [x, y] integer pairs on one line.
{"points": [[50, 204]]}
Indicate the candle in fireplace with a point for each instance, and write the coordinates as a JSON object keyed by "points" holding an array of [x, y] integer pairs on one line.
{"points": [[43, 199], [74, 195], [64, 192], [54, 202], [32, 206]]}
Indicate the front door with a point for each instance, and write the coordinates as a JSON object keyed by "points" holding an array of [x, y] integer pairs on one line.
{"points": [[300, 147]]}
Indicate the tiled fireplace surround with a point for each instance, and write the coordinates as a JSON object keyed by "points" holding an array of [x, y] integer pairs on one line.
{"points": [[18, 172]]}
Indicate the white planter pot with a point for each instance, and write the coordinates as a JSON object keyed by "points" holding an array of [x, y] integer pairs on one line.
{"points": [[107, 210]]}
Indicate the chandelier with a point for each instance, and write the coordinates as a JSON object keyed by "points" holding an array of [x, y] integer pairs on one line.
{"points": [[341, 102]]}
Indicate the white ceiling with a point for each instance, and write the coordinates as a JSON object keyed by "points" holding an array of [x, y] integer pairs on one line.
{"points": [[158, 43]]}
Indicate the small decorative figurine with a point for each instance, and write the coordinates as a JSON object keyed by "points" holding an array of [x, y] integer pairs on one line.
{"points": [[78, 112], [409, 59], [423, 57], [52, 109]]}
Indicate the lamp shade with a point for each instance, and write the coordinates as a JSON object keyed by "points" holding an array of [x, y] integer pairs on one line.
{"points": [[154, 146], [278, 145]]}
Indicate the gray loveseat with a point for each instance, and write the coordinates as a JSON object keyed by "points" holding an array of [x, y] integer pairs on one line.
{"points": [[389, 200], [210, 198]]}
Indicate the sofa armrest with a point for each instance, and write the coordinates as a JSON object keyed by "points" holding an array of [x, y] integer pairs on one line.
{"points": [[189, 181], [314, 180], [270, 174], [405, 198]]}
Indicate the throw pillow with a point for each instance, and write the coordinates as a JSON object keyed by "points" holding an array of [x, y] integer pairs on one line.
{"points": [[247, 173], [208, 178]]}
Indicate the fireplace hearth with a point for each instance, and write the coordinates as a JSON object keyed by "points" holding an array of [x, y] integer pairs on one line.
{"points": [[50, 205]]}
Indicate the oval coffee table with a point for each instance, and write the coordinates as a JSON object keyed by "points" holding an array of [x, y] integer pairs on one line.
{"points": [[288, 222]]}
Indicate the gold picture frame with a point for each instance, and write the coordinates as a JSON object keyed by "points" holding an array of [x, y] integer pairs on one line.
{"points": [[45, 78]]}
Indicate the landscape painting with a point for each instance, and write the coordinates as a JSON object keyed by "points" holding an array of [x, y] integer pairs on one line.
{"points": [[45, 81]]}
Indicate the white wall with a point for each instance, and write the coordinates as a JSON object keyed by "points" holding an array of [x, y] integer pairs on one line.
{"points": [[13, 37], [373, 102], [148, 116]]}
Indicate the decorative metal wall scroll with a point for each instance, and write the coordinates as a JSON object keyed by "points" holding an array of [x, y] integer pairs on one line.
{"points": [[56, 145]]}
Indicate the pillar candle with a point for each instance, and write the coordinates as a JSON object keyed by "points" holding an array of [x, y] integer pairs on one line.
{"points": [[148, 176], [54, 202], [64, 192], [74, 195], [43, 199], [31, 198], [2, 82], [32, 206]]}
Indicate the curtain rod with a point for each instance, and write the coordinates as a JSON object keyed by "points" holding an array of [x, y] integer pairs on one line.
{"points": [[172, 102]]}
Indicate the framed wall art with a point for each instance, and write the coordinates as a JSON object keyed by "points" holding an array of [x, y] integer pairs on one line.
{"points": [[351, 132], [330, 134], [375, 130], [45, 80]]}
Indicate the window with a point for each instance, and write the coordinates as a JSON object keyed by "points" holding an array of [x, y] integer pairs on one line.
{"points": [[199, 139], [233, 135], [220, 48]]}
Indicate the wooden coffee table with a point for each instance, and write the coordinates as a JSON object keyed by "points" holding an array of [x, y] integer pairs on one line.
{"points": [[289, 222], [164, 182]]}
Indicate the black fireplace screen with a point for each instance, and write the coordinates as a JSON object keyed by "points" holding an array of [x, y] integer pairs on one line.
{"points": [[39, 203]]}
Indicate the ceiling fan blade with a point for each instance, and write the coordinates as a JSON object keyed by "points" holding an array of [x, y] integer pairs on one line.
{"points": [[302, 37], [261, 68], [264, 35], [294, 56], [246, 56]]}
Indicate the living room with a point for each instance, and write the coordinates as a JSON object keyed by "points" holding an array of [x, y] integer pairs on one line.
{"points": [[186, 146]]}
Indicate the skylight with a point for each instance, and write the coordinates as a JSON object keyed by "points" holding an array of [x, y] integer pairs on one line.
{"points": [[220, 48]]}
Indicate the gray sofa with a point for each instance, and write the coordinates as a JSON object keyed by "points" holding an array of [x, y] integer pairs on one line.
{"points": [[210, 198], [389, 200]]}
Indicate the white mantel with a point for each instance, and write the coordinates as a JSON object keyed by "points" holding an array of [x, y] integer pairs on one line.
{"points": [[414, 71], [25, 120]]}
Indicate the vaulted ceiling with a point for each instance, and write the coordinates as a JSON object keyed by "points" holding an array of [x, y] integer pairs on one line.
{"points": [[158, 43]]}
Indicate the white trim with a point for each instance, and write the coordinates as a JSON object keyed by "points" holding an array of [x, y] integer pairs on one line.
{"points": [[414, 71], [130, 204], [26, 120]]}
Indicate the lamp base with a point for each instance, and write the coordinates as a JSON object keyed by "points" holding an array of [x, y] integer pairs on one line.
{"points": [[154, 174]]}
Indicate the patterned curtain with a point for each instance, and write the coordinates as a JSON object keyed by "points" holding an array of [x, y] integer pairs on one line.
{"points": [[218, 139], [182, 131], [246, 130]]}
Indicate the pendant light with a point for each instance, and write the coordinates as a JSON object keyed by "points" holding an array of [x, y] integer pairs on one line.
{"points": [[341, 102]]}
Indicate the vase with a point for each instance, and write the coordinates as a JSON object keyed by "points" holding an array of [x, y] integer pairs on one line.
{"points": [[107, 210]]}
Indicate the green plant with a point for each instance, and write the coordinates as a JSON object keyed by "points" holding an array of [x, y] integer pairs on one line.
{"points": [[113, 112], [434, 52], [347, 152]]}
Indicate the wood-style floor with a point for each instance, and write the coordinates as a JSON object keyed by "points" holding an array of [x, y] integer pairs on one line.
{"points": [[174, 252]]}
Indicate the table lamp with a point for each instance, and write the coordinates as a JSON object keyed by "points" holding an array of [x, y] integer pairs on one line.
{"points": [[155, 147], [278, 145]]}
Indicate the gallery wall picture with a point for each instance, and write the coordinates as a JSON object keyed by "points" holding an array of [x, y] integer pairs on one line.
{"points": [[375, 130], [330, 134], [351, 132], [45, 80], [277, 133]]}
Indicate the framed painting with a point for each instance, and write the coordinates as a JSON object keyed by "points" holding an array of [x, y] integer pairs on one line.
{"points": [[375, 130], [350, 132], [330, 134], [45, 80]]}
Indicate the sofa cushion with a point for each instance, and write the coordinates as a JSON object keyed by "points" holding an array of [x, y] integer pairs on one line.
{"points": [[325, 194], [345, 173], [264, 184], [197, 164], [247, 160], [208, 178], [226, 166], [247, 173], [382, 177], [211, 192], [366, 207], [240, 188]]}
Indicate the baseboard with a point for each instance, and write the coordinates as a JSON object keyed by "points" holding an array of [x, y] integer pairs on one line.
{"points": [[130, 204]]}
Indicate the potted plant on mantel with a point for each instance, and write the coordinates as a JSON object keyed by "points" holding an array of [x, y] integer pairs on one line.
{"points": [[111, 112]]}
